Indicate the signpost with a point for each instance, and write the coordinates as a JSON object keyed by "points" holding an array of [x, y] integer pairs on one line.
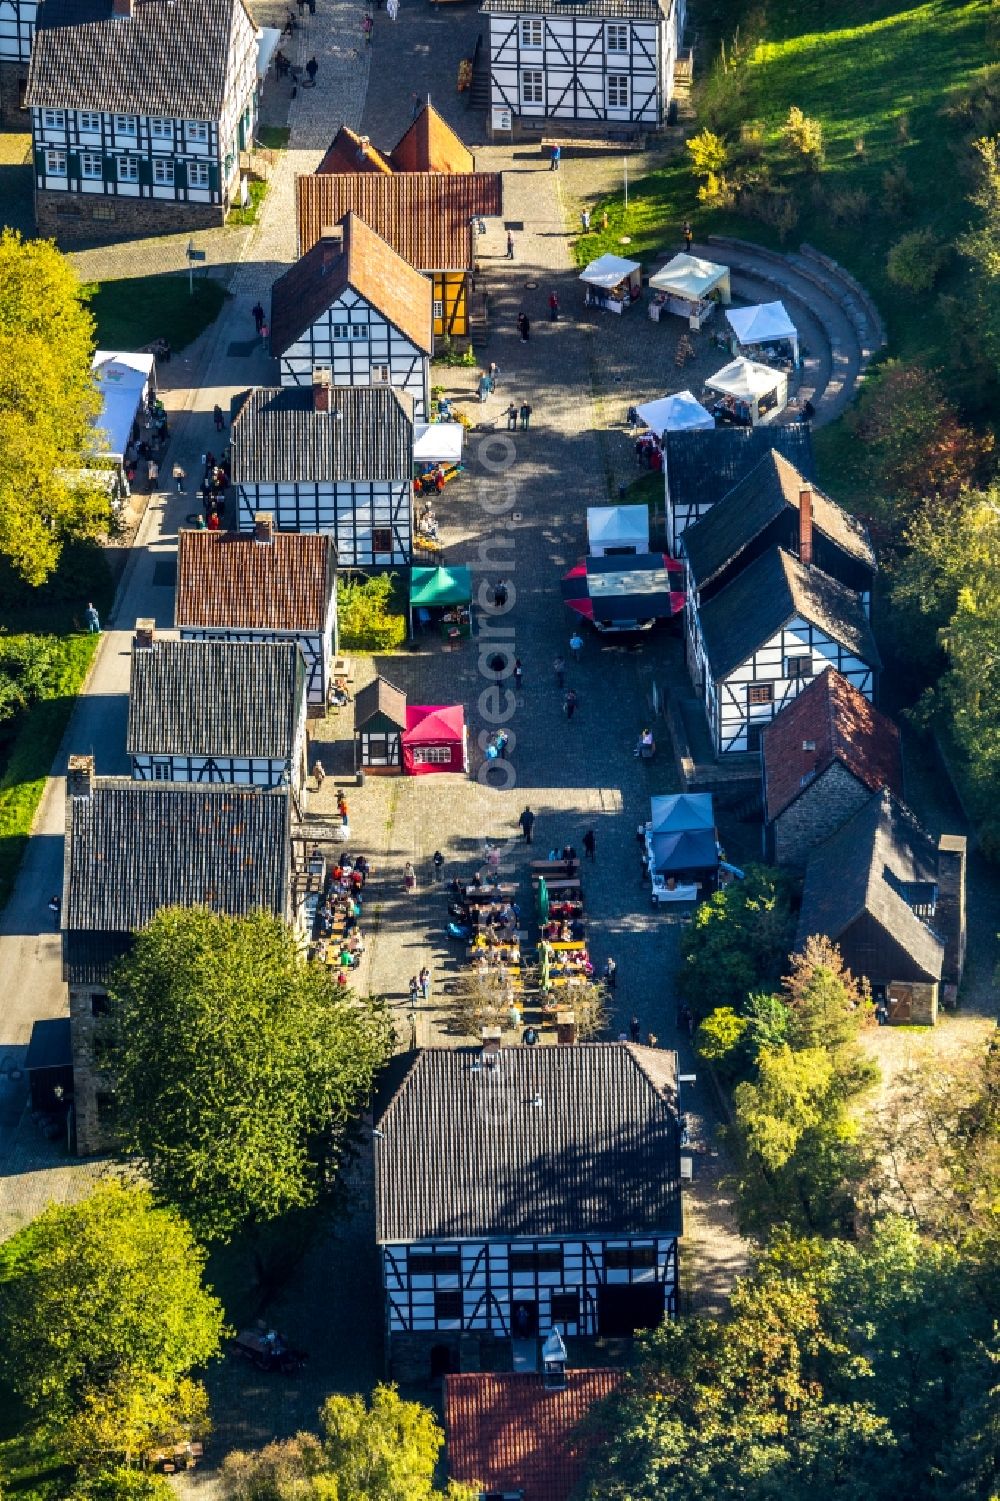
{"points": [[193, 256], [503, 118]]}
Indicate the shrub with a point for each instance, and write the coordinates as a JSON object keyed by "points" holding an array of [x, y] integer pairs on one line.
{"points": [[718, 1039], [897, 192], [26, 666], [367, 622], [804, 135], [777, 209], [716, 192], [916, 261], [849, 206], [708, 154]]}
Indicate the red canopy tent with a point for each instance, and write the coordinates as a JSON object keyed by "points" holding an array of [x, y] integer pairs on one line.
{"points": [[435, 739], [619, 592]]}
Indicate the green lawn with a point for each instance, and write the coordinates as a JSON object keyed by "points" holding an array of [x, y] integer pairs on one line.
{"points": [[257, 192], [879, 76], [137, 310]]}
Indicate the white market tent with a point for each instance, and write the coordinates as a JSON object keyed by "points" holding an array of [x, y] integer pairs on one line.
{"points": [[764, 391], [268, 42], [691, 279], [437, 442], [674, 414], [124, 381], [608, 270], [766, 323], [617, 529]]}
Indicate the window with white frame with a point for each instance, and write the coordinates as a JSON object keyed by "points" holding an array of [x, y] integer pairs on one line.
{"points": [[163, 172], [197, 174], [162, 770], [128, 169], [90, 123], [359, 330], [341, 330], [196, 130], [91, 165], [55, 163], [531, 32], [617, 38], [125, 125], [431, 755], [53, 119], [439, 307], [160, 129], [617, 91], [532, 86]]}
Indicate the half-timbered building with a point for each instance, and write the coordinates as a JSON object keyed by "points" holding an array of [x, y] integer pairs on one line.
{"points": [[17, 28], [139, 112], [431, 219], [131, 849], [329, 459], [217, 711], [700, 467], [758, 643], [892, 898], [821, 760], [264, 586], [522, 1188], [354, 307], [605, 62]]}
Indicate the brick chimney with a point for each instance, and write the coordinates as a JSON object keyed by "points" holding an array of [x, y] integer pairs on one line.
{"points": [[805, 526], [263, 527], [80, 776], [491, 1045], [145, 634], [565, 1028], [322, 380], [949, 914], [331, 247], [122, 7]]}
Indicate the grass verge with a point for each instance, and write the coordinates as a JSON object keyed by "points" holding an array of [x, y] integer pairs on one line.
{"points": [[137, 310], [274, 137], [257, 192]]}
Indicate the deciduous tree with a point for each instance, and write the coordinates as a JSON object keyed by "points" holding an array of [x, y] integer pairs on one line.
{"points": [[737, 941], [242, 1067]]}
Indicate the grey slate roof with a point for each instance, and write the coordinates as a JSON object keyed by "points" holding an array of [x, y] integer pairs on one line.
{"points": [[754, 502], [168, 58], [379, 697], [704, 466], [367, 435], [866, 866], [216, 698], [759, 601], [465, 1153]]}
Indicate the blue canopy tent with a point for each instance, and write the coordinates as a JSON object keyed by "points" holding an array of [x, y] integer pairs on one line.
{"points": [[689, 849], [685, 810]]}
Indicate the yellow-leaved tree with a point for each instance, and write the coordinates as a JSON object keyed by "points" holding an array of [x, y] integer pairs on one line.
{"points": [[48, 406]]}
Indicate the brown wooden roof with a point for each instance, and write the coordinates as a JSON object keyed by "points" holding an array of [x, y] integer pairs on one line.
{"points": [[840, 724], [425, 216], [229, 582], [430, 145], [351, 255], [349, 152], [379, 697]]}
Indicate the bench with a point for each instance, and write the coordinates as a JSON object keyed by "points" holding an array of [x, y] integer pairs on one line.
{"points": [[567, 885], [554, 868]]}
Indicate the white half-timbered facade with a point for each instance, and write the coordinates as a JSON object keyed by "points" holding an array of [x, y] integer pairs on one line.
{"points": [[217, 711], [757, 644], [607, 61], [479, 1231], [702, 466], [328, 459], [139, 112], [355, 308], [17, 28], [266, 587]]}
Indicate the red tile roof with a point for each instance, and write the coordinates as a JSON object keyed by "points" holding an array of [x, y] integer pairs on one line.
{"points": [[349, 152], [229, 582], [430, 145], [841, 725], [425, 216], [506, 1432]]}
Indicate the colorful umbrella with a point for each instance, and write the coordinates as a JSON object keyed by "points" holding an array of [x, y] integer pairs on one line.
{"points": [[543, 900]]}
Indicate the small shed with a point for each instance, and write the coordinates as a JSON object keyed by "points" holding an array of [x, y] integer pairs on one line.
{"points": [[767, 323], [617, 530], [751, 393], [612, 283], [442, 597], [436, 739], [379, 725], [689, 287], [681, 412], [49, 1064]]}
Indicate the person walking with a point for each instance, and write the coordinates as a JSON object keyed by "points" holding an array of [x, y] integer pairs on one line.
{"points": [[93, 620], [585, 220], [524, 327], [437, 860], [483, 387], [512, 417], [635, 1031], [179, 478], [554, 307], [525, 415], [258, 317], [590, 845], [55, 907], [518, 674], [559, 668], [494, 374], [218, 419], [576, 645], [688, 234], [527, 822], [611, 975], [555, 159], [500, 595], [312, 66], [409, 877], [153, 472], [424, 977], [319, 773], [569, 703], [510, 246], [414, 988]]}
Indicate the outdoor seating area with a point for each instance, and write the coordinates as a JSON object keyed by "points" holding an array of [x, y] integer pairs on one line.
{"points": [[336, 909]]}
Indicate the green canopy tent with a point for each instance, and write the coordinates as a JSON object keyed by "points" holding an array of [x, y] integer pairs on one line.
{"points": [[446, 590]]}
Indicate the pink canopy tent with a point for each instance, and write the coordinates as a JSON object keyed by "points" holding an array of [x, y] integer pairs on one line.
{"points": [[435, 739]]}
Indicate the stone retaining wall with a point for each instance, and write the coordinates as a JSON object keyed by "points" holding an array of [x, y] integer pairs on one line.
{"points": [[69, 217]]}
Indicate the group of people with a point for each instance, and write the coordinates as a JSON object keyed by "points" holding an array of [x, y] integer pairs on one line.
{"points": [[214, 482], [523, 412], [649, 451], [337, 936]]}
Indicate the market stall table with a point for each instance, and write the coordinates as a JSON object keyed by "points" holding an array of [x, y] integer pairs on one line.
{"points": [[688, 286], [751, 393], [625, 594], [678, 413], [442, 596], [612, 283], [615, 531], [435, 739], [765, 323]]}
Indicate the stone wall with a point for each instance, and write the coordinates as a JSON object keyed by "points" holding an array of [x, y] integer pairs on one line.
{"points": [[89, 1080], [13, 77], [819, 811], [70, 217]]}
